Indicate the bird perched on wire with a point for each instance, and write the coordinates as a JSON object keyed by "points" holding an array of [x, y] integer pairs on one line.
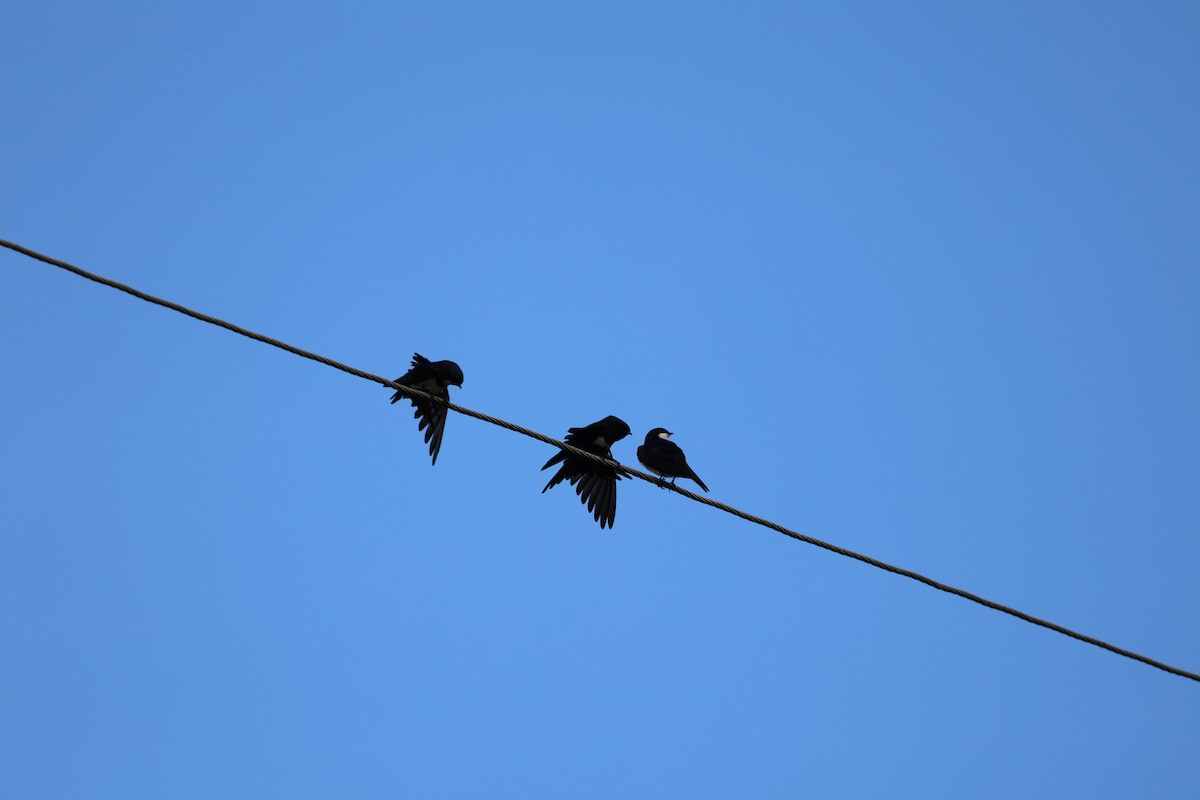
{"points": [[435, 378], [664, 458], [595, 483]]}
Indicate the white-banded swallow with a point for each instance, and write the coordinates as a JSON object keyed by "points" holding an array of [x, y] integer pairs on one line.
{"points": [[664, 458], [436, 378], [596, 484]]}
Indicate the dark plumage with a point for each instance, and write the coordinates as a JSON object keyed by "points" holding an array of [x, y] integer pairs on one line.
{"points": [[596, 484], [664, 458], [436, 378]]}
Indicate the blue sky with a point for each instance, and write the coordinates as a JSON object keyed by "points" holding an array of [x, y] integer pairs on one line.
{"points": [[919, 279]]}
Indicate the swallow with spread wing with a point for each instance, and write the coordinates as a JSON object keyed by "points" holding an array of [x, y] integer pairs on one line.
{"points": [[435, 378], [596, 484]]}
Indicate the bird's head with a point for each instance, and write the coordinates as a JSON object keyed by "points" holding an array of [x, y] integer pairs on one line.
{"points": [[658, 433], [450, 374], [615, 429]]}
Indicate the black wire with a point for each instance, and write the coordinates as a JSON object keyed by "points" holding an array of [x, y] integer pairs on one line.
{"points": [[624, 470]]}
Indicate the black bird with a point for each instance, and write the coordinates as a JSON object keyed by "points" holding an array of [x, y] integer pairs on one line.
{"points": [[663, 457], [434, 377], [596, 484]]}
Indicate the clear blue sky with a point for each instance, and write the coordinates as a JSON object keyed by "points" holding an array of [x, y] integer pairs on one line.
{"points": [[920, 279]]}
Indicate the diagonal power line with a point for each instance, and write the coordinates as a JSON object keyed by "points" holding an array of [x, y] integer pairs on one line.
{"points": [[541, 437]]}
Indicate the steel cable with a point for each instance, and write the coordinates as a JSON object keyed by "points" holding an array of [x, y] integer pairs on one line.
{"points": [[624, 470]]}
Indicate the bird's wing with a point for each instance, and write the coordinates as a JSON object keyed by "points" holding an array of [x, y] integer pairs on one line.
{"points": [[563, 472], [682, 468], [692, 474], [561, 455], [598, 489], [432, 418], [672, 457], [418, 377]]}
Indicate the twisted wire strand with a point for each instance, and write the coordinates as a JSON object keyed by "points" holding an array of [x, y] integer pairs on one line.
{"points": [[624, 470]]}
